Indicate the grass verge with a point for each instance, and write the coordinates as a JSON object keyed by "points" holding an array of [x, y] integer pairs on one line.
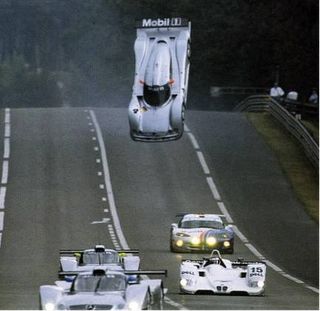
{"points": [[301, 174]]}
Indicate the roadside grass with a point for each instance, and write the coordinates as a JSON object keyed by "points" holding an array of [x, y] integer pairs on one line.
{"points": [[302, 176]]}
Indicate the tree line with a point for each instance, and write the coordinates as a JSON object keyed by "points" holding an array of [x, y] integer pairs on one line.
{"points": [[75, 52]]}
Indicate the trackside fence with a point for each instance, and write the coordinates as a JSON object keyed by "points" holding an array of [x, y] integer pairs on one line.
{"points": [[264, 103]]}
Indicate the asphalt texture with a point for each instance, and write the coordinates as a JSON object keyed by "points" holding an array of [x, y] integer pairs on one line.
{"points": [[55, 200]]}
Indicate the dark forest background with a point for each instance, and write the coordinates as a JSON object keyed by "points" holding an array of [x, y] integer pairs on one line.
{"points": [[80, 52]]}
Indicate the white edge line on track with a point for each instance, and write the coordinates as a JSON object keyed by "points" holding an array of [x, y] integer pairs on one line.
{"points": [[225, 212], [107, 181], [1, 220], [213, 189], [5, 171], [3, 191], [6, 151], [203, 163], [111, 200]]}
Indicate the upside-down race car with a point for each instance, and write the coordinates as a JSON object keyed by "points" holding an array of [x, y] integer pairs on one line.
{"points": [[201, 232], [102, 290], [221, 276], [162, 53]]}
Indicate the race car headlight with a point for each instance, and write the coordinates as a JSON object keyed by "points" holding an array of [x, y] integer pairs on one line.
{"points": [[211, 240], [49, 306], [226, 244], [195, 240], [133, 305], [179, 243], [183, 282]]}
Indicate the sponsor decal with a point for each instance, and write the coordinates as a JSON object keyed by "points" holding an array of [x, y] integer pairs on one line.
{"points": [[163, 22]]}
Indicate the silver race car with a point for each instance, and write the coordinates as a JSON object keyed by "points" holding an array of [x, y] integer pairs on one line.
{"points": [[102, 290], [98, 257], [162, 53], [201, 232], [217, 275]]}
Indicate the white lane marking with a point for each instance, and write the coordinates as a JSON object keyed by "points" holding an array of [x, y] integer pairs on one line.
{"points": [[225, 212], [6, 151], [113, 209], [314, 289], [254, 250], [104, 199], [7, 116], [216, 195], [103, 221], [213, 189], [186, 128], [5, 171], [3, 191], [239, 234], [96, 148], [193, 141], [99, 173], [7, 130], [107, 180], [203, 162], [101, 186], [98, 160], [106, 210], [1, 220], [94, 138], [273, 266], [288, 276], [0, 238], [174, 304]]}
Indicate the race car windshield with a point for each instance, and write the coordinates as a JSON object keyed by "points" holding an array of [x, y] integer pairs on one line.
{"points": [[190, 224], [156, 95], [94, 258], [93, 283]]}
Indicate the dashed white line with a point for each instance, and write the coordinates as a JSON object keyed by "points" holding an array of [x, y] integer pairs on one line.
{"points": [[225, 212], [213, 189], [7, 116], [6, 151], [107, 180], [98, 160], [104, 199], [273, 266], [193, 141], [94, 138], [7, 130], [203, 162], [1, 220], [5, 171], [3, 191], [101, 186], [254, 250]]}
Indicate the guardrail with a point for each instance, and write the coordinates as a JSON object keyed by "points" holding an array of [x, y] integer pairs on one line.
{"points": [[258, 103]]}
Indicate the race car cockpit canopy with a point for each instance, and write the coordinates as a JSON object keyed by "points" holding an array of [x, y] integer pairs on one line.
{"points": [[99, 258]]}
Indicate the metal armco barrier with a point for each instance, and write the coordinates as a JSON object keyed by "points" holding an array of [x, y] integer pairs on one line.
{"points": [[261, 103]]}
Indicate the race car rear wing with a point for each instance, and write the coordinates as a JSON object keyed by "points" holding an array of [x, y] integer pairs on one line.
{"points": [[238, 263], [184, 214], [126, 272], [163, 22], [77, 251]]}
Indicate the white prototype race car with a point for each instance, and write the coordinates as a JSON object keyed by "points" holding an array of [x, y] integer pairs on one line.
{"points": [[162, 59], [102, 290], [201, 232], [98, 257], [217, 275]]}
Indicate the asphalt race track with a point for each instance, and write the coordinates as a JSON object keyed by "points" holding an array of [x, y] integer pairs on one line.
{"points": [[58, 194]]}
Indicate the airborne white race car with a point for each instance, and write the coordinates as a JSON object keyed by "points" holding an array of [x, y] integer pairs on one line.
{"points": [[217, 275], [162, 53], [102, 290]]}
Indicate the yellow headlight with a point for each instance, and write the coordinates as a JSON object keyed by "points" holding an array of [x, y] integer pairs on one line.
{"points": [[226, 243], [211, 241], [195, 240], [179, 243]]}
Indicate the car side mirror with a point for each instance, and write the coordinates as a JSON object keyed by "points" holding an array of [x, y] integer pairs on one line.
{"points": [[174, 226]]}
